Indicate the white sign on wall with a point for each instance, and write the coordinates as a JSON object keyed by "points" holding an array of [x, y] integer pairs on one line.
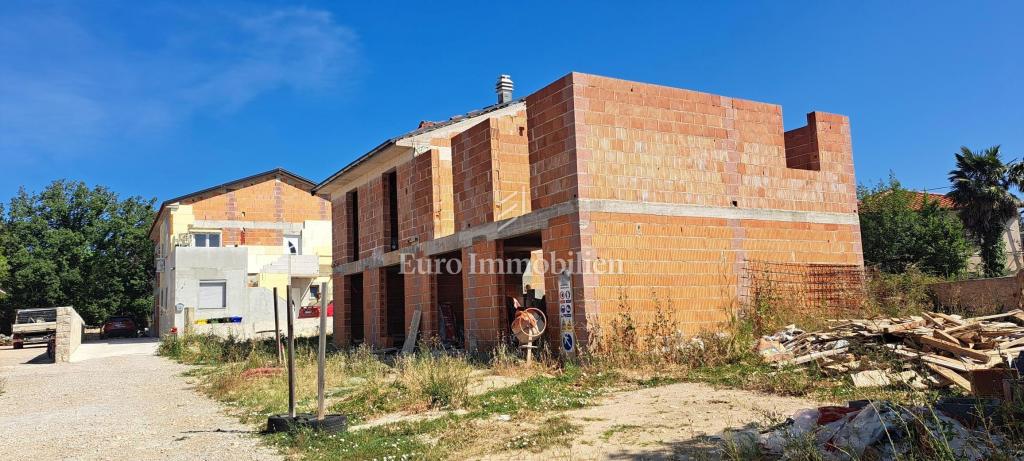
{"points": [[565, 315]]}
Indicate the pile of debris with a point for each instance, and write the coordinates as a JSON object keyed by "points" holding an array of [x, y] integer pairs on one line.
{"points": [[877, 430], [928, 350]]}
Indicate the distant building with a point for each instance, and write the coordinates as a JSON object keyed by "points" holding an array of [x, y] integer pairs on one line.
{"points": [[1011, 237], [221, 251]]}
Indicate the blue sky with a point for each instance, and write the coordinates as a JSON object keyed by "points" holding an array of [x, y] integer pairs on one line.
{"points": [[162, 99]]}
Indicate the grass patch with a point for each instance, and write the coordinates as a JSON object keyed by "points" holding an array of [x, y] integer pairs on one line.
{"points": [[617, 429], [554, 431], [572, 388]]}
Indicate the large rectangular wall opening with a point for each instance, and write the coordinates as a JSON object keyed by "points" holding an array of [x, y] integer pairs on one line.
{"points": [[391, 214], [355, 303], [451, 314], [394, 291], [353, 228], [524, 277]]}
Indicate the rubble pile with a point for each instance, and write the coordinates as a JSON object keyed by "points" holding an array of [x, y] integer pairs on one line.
{"points": [[872, 430], [930, 350]]}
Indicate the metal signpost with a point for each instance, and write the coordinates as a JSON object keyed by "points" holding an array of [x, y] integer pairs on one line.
{"points": [[566, 311], [322, 355], [277, 331], [291, 353]]}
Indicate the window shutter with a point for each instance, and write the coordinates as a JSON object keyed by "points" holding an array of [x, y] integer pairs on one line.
{"points": [[212, 295]]}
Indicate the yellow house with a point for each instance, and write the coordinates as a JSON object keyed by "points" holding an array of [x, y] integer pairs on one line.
{"points": [[221, 252]]}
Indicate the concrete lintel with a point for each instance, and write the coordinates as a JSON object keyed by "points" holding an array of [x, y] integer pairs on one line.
{"points": [[220, 224], [695, 211]]}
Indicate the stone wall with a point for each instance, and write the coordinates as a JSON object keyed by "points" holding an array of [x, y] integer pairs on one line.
{"points": [[981, 296], [70, 328]]}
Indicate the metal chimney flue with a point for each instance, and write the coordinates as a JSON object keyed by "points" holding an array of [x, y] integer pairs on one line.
{"points": [[504, 89]]}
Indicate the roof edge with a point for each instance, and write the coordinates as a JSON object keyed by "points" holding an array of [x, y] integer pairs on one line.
{"points": [[388, 143]]}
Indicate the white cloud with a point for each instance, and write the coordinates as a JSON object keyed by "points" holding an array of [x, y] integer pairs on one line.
{"points": [[68, 84]]}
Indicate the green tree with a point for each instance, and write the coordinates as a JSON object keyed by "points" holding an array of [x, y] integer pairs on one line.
{"points": [[981, 191], [899, 229], [72, 245], [4, 268]]}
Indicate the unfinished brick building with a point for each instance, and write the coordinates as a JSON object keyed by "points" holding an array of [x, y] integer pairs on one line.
{"points": [[675, 189]]}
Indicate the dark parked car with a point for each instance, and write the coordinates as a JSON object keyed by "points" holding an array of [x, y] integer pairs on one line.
{"points": [[119, 326]]}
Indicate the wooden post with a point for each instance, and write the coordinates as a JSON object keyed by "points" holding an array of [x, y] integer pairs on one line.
{"points": [[277, 331], [321, 374], [291, 353], [190, 319]]}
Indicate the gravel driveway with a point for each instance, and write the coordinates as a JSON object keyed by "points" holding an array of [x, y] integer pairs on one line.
{"points": [[118, 401]]}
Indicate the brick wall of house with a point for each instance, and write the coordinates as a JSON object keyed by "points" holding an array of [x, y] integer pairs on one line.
{"points": [[552, 141], [268, 201], [653, 145], [374, 297], [473, 166], [484, 296], [342, 309], [492, 164], [802, 148], [680, 186], [372, 204], [341, 219]]}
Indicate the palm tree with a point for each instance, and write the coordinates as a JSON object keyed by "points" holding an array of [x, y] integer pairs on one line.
{"points": [[981, 191]]}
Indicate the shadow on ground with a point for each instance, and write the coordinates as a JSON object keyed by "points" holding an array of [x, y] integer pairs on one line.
{"points": [[701, 447]]}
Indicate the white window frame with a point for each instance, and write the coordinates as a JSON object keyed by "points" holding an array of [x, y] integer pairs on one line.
{"points": [[212, 283], [298, 244], [207, 235]]}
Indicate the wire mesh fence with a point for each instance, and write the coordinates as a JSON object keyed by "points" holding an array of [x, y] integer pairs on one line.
{"points": [[833, 290]]}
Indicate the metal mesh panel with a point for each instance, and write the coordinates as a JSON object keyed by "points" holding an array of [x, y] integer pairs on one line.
{"points": [[833, 289]]}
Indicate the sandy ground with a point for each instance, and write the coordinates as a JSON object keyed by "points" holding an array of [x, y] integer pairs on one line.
{"points": [[678, 421], [115, 401]]}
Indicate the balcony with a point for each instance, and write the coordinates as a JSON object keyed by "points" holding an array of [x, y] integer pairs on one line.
{"points": [[295, 266]]}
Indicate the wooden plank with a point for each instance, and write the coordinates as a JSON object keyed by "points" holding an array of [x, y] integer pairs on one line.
{"points": [[948, 362], [954, 349], [948, 318], [951, 375], [945, 336], [1013, 343], [965, 326], [814, 356], [414, 331], [904, 326], [1012, 313], [932, 320]]}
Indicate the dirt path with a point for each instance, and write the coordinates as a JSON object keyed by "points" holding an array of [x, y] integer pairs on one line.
{"points": [[118, 401], [667, 422]]}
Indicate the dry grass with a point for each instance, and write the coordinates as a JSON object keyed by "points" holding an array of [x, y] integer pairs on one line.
{"points": [[437, 380]]}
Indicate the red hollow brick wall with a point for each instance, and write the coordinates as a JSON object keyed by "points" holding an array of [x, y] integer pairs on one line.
{"points": [[647, 144], [269, 201], [491, 164]]}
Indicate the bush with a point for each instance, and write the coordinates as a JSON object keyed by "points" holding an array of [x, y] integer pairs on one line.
{"points": [[900, 229], [439, 379], [897, 295]]}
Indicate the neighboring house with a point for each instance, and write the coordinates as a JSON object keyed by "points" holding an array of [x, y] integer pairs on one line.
{"points": [[1011, 237], [221, 251], [678, 189]]}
